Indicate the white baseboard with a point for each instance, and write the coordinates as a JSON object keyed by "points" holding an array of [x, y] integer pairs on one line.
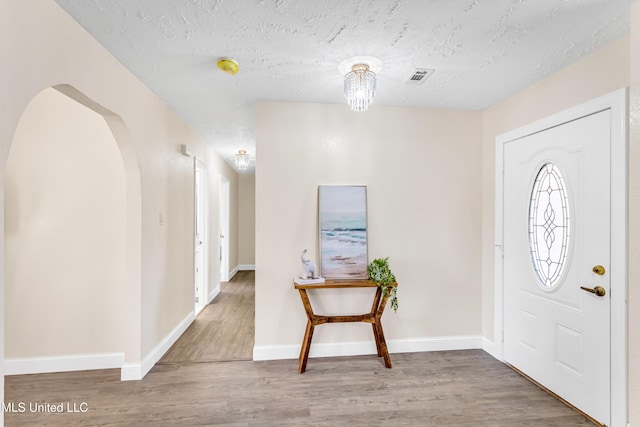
{"points": [[368, 347], [137, 371], [490, 347], [416, 345], [233, 272], [131, 372], [214, 293], [241, 267], [66, 363]]}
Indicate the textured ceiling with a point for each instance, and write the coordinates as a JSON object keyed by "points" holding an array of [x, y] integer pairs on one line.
{"points": [[290, 50]]}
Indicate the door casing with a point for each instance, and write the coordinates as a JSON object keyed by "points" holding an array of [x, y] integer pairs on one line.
{"points": [[201, 201], [224, 202], [616, 102]]}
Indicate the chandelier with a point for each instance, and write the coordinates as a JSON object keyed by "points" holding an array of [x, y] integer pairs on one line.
{"points": [[360, 87], [242, 159]]}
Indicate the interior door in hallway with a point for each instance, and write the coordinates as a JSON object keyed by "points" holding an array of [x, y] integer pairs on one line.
{"points": [[223, 203], [200, 236], [557, 230]]}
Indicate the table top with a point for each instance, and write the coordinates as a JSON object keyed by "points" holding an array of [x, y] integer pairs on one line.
{"points": [[341, 283]]}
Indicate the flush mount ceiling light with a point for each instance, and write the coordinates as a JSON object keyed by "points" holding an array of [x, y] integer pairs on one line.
{"points": [[360, 81], [228, 65], [242, 159], [360, 87]]}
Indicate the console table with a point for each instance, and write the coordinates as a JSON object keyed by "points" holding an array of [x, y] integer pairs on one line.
{"points": [[373, 317]]}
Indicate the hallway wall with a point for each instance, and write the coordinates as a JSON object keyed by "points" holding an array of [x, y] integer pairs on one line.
{"points": [[45, 47], [634, 219], [247, 220]]}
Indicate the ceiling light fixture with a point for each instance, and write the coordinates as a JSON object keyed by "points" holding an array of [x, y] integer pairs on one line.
{"points": [[242, 159], [360, 87]]}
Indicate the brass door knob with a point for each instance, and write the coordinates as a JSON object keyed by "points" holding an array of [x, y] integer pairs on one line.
{"points": [[599, 270], [598, 290]]}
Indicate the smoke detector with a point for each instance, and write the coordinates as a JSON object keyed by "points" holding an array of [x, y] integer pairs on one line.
{"points": [[228, 65]]}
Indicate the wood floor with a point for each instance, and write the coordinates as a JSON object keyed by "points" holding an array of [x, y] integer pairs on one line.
{"points": [[224, 329], [188, 388]]}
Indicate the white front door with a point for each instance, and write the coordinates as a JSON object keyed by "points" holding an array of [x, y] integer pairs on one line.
{"points": [[557, 234]]}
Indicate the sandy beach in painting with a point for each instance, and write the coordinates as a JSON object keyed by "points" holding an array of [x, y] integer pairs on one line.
{"points": [[344, 253], [345, 267]]}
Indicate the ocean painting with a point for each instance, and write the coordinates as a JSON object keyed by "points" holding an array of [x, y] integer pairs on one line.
{"points": [[343, 231]]}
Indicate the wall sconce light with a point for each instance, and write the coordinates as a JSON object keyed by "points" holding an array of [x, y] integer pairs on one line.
{"points": [[242, 159]]}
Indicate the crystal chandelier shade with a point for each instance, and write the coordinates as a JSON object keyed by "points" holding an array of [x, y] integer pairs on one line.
{"points": [[360, 87], [242, 159]]}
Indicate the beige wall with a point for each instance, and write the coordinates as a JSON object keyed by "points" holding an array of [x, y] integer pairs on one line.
{"points": [[44, 47], [247, 220], [423, 177], [64, 232], [634, 220]]}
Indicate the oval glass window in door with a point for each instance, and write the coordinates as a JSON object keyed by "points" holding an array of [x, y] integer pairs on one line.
{"points": [[549, 225]]}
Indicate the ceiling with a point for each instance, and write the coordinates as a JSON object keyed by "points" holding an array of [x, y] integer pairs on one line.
{"points": [[291, 50]]}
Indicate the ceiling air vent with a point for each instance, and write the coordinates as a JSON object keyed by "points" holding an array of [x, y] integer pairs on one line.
{"points": [[420, 75]]}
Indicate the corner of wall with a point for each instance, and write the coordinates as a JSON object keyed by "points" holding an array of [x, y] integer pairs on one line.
{"points": [[137, 371]]}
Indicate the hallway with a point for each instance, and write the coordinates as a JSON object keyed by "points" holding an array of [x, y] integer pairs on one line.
{"points": [[224, 329]]}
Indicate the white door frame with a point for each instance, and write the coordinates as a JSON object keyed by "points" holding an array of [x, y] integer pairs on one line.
{"points": [[616, 102], [200, 167], [224, 195]]}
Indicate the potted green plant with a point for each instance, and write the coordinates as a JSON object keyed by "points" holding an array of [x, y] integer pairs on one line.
{"points": [[379, 272]]}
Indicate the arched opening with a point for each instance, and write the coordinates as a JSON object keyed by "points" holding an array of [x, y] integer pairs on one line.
{"points": [[72, 238]]}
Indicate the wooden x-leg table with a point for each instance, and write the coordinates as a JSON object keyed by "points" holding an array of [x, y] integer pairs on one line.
{"points": [[373, 317]]}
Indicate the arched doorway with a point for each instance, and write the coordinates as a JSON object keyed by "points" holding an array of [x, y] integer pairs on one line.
{"points": [[72, 238]]}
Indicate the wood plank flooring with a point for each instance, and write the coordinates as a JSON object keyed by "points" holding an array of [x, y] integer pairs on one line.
{"points": [[451, 388], [458, 388], [224, 329]]}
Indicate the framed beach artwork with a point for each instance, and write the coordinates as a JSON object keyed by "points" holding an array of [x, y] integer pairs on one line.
{"points": [[342, 212]]}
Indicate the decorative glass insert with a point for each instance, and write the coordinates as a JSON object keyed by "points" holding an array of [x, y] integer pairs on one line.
{"points": [[549, 225]]}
